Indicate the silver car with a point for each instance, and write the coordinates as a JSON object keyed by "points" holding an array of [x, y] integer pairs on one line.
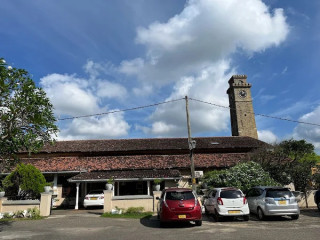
{"points": [[272, 201]]}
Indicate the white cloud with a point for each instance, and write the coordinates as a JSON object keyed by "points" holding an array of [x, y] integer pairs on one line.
{"points": [[73, 96], [187, 55], [106, 89], [267, 136], [192, 51], [95, 69], [310, 133], [109, 126], [205, 31], [170, 119], [69, 95], [131, 67]]}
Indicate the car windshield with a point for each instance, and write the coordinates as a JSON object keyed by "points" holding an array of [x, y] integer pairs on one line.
{"points": [[179, 195], [278, 193], [231, 194], [96, 192]]}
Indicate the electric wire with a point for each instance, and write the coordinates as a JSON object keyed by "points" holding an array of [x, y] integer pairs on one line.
{"points": [[192, 99], [257, 114], [122, 110]]}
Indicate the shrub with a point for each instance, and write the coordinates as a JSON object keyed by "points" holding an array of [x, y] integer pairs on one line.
{"points": [[135, 210], [110, 181], [25, 182], [242, 176], [31, 213], [34, 213], [157, 181]]}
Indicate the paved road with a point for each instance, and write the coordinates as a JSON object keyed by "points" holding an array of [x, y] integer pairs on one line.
{"points": [[89, 225]]}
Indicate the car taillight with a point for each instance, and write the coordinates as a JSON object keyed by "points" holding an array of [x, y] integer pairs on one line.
{"points": [[101, 197], [86, 198], [219, 200], [245, 201], [293, 200]]}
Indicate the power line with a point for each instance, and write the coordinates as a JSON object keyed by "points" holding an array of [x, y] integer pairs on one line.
{"points": [[258, 114], [196, 100], [122, 110]]}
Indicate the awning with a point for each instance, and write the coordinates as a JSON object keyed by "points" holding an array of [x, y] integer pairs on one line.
{"points": [[103, 176]]}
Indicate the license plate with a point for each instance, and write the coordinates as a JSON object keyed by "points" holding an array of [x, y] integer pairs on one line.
{"points": [[93, 198], [282, 202], [182, 216], [234, 212]]}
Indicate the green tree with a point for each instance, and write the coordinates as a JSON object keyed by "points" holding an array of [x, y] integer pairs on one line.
{"points": [[291, 161], [316, 178], [274, 162], [303, 159], [26, 116], [243, 176], [25, 182]]}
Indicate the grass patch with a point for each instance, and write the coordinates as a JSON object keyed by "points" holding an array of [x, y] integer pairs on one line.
{"points": [[128, 215], [19, 219]]}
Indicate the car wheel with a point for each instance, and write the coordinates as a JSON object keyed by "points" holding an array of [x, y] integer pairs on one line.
{"points": [[246, 217], [206, 211], [162, 224], [217, 216], [199, 223], [295, 217], [260, 214]]}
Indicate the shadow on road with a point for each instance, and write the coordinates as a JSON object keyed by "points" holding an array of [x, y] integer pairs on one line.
{"points": [[155, 223], [310, 212], [4, 224]]}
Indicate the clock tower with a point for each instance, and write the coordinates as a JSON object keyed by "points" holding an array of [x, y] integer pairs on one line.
{"points": [[241, 110]]}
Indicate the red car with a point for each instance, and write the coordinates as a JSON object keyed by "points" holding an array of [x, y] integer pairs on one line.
{"points": [[179, 204]]}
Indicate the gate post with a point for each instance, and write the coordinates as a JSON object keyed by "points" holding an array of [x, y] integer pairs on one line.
{"points": [[45, 204], [107, 200]]}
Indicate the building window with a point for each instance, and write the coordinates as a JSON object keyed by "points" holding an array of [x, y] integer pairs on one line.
{"points": [[131, 188]]}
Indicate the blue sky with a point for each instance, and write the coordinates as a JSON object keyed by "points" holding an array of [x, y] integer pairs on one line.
{"points": [[100, 56]]}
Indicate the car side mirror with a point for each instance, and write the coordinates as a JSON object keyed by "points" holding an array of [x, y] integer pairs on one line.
{"points": [[157, 198]]}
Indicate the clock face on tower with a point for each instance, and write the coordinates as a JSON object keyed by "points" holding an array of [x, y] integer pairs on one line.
{"points": [[242, 93]]}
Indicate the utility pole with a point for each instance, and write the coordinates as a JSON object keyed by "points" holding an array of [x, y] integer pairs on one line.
{"points": [[192, 145]]}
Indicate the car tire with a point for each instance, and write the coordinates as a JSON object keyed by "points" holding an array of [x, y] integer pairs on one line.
{"points": [[295, 217], [217, 216], [162, 224], [318, 205], [199, 223], [246, 217], [206, 211], [260, 214]]}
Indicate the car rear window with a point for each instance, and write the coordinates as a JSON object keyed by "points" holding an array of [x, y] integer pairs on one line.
{"points": [[179, 195], [278, 193], [231, 194], [96, 192]]}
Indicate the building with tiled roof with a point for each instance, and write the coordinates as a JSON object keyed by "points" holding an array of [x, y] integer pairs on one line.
{"points": [[133, 164], [76, 167]]}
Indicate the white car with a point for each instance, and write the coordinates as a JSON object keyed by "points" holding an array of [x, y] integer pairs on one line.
{"points": [[94, 198], [224, 202]]}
